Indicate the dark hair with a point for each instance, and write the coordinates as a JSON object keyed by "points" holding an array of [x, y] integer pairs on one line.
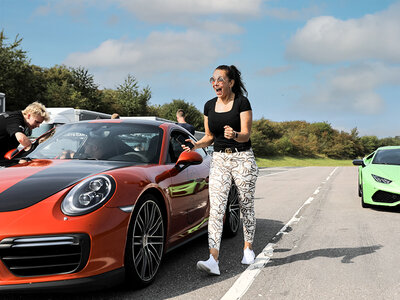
{"points": [[233, 73], [181, 112]]}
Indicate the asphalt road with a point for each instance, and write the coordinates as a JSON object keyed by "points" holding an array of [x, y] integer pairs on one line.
{"points": [[313, 241]]}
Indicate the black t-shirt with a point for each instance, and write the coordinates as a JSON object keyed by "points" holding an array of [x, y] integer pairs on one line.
{"points": [[217, 121], [188, 127], [10, 124]]}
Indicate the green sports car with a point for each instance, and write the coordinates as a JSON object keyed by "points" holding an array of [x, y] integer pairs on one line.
{"points": [[379, 177]]}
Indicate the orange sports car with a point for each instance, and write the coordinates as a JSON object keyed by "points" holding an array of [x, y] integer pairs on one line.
{"points": [[97, 202]]}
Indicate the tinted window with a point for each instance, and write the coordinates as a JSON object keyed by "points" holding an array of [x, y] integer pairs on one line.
{"points": [[387, 157], [135, 143]]}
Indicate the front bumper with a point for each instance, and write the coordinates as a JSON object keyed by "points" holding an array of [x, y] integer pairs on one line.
{"points": [[98, 240], [45, 255], [102, 281], [381, 194]]}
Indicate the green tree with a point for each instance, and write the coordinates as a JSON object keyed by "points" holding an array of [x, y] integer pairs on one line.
{"points": [[260, 145], [109, 100], [193, 115], [263, 134], [132, 101], [324, 134], [17, 76], [370, 143], [60, 92], [83, 83]]}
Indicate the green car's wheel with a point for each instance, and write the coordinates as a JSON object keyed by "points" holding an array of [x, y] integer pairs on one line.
{"points": [[361, 193]]}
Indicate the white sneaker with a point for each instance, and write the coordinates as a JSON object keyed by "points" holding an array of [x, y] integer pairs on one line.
{"points": [[210, 266], [248, 256]]}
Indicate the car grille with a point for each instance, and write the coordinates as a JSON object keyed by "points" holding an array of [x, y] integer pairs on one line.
{"points": [[45, 255], [385, 197]]}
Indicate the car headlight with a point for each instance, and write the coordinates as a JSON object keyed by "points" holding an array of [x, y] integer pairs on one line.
{"points": [[381, 179], [88, 195]]}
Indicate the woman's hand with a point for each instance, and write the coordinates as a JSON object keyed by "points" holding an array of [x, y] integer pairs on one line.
{"points": [[229, 133], [189, 145]]}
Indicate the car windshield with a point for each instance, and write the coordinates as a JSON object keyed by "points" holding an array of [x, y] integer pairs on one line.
{"points": [[387, 157], [136, 143], [43, 128]]}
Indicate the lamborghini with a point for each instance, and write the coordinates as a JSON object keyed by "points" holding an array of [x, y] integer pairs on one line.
{"points": [[379, 177]]}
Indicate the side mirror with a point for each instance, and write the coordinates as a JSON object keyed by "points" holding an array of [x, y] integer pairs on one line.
{"points": [[189, 158], [10, 154], [359, 162], [185, 160]]}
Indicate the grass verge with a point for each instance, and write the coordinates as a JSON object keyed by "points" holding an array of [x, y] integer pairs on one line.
{"points": [[288, 161]]}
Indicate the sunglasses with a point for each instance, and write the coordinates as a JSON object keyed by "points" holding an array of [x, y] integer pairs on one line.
{"points": [[218, 80]]}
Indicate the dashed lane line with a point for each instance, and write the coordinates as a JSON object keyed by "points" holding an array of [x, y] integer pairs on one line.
{"points": [[243, 283], [276, 171]]}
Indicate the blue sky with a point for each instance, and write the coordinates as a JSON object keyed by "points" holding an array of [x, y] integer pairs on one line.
{"points": [[336, 61]]}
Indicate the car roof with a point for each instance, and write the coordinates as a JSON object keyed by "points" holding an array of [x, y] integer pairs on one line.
{"points": [[129, 121], [388, 147], [154, 122]]}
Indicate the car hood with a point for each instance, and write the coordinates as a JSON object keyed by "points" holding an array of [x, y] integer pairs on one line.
{"points": [[26, 184], [391, 172]]}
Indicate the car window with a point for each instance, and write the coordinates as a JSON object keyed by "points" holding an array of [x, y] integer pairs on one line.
{"points": [[136, 143], [387, 157], [43, 128], [146, 144], [175, 146]]}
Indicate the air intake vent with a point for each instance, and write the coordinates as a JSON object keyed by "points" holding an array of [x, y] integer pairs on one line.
{"points": [[385, 197], [45, 255]]}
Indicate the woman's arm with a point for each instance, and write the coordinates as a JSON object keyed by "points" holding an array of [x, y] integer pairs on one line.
{"points": [[246, 119], [207, 139]]}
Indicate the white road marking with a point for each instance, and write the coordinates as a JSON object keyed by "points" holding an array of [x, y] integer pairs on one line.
{"points": [[245, 280], [280, 171]]}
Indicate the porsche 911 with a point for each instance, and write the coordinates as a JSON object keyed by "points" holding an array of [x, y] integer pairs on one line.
{"points": [[97, 203]]}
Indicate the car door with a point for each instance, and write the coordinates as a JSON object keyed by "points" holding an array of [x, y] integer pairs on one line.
{"points": [[188, 189]]}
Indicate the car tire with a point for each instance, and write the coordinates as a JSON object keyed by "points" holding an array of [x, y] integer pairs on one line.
{"points": [[145, 242], [232, 214], [361, 193]]}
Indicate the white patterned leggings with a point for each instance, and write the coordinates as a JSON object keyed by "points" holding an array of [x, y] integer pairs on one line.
{"points": [[241, 168]]}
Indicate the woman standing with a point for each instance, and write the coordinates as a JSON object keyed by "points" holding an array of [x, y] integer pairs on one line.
{"points": [[227, 123]]}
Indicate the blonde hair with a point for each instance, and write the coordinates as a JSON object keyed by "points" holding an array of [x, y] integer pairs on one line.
{"points": [[37, 108]]}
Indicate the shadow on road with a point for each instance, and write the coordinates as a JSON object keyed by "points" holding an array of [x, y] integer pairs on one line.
{"points": [[347, 254], [178, 274], [395, 209]]}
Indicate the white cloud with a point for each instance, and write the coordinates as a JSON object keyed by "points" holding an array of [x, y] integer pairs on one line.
{"points": [[172, 10], [352, 89], [220, 27], [211, 15], [160, 52], [326, 39]]}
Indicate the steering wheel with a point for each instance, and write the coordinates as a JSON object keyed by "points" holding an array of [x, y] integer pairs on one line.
{"points": [[140, 157]]}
